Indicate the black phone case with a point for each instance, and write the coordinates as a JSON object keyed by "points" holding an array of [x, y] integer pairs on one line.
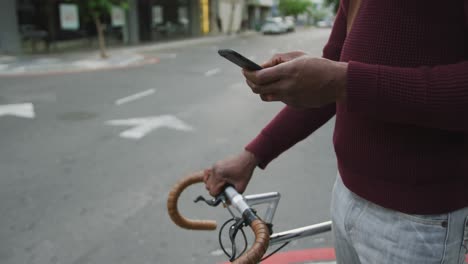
{"points": [[239, 60]]}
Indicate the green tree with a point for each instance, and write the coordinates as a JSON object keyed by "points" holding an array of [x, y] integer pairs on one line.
{"points": [[94, 10], [334, 3], [294, 7], [318, 14]]}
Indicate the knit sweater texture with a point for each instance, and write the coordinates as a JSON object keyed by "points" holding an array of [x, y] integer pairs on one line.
{"points": [[401, 135]]}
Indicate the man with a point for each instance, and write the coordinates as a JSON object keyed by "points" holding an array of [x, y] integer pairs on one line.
{"points": [[395, 74]]}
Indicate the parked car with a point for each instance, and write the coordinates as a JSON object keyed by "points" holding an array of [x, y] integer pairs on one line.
{"points": [[325, 23], [274, 25], [290, 23]]}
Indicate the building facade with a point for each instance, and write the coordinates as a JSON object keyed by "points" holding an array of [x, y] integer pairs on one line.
{"points": [[258, 11], [41, 25]]}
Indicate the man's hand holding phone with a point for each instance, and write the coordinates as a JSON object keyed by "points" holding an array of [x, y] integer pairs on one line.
{"points": [[294, 78], [282, 57], [275, 60], [299, 80]]}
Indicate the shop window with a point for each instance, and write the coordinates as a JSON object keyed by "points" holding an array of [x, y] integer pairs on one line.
{"points": [[164, 19]]}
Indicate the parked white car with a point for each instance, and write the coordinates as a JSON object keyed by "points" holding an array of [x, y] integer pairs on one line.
{"points": [[325, 23], [290, 24], [274, 25]]}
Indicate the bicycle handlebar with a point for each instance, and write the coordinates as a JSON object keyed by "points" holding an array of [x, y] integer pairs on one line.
{"points": [[173, 210], [260, 229]]}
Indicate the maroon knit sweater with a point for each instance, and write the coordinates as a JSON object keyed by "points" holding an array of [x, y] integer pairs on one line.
{"points": [[401, 137]]}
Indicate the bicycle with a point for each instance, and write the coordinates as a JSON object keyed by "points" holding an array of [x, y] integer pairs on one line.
{"points": [[261, 227]]}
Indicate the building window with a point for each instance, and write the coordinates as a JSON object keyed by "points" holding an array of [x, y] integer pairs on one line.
{"points": [[163, 19]]}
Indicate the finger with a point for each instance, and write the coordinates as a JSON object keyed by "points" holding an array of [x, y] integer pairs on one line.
{"points": [[206, 175], [252, 86], [264, 76], [217, 188], [275, 60], [262, 89], [269, 89], [279, 88], [269, 98], [240, 188], [278, 59], [281, 58]]}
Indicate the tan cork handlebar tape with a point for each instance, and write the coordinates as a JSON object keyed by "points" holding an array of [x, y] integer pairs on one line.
{"points": [[260, 246], [173, 211], [260, 229]]}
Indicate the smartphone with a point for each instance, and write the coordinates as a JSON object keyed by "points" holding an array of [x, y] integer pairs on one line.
{"points": [[240, 60]]}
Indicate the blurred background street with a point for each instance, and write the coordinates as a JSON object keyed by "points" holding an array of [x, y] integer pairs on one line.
{"points": [[106, 104], [79, 184]]}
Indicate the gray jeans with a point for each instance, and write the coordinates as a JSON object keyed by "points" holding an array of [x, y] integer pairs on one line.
{"points": [[369, 234]]}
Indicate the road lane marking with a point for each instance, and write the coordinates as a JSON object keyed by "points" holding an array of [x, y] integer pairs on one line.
{"points": [[144, 125], [167, 55], [212, 72], [25, 110], [134, 97]]}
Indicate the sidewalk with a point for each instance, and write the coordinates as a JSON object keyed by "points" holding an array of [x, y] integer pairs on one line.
{"points": [[120, 57]]}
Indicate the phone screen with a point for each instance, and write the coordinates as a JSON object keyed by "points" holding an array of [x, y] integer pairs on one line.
{"points": [[239, 60]]}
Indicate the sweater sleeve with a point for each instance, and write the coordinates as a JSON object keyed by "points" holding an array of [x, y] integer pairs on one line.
{"points": [[332, 49], [435, 97], [285, 130], [291, 125]]}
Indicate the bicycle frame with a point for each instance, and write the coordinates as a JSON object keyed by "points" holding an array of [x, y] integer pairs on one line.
{"points": [[248, 217], [272, 199]]}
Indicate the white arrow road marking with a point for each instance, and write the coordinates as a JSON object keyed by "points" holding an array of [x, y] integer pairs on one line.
{"points": [[134, 97], [167, 55], [144, 125], [25, 110], [212, 72]]}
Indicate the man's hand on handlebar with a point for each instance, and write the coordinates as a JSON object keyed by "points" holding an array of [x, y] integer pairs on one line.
{"points": [[235, 171]]}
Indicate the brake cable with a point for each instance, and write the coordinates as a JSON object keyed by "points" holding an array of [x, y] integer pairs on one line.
{"points": [[234, 229], [233, 239]]}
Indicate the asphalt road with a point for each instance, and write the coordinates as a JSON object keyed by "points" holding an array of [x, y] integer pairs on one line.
{"points": [[73, 190]]}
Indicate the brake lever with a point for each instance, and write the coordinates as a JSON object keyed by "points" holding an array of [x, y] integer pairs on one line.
{"points": [[233, 230]]}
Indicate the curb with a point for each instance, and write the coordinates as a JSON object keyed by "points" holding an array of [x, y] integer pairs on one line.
{"points": [[145, 61], [136, 60]]}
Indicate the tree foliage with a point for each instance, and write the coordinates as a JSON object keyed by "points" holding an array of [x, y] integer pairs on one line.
{"points": [[293, 7], [334, 3], [318, 14]]}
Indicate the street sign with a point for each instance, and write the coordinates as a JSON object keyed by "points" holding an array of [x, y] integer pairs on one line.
{"points": [[157, 15], [118, 16], [69, 18]]}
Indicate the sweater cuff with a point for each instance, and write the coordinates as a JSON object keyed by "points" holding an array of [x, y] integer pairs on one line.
{"points": [[362, 88], [262, 148]]}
